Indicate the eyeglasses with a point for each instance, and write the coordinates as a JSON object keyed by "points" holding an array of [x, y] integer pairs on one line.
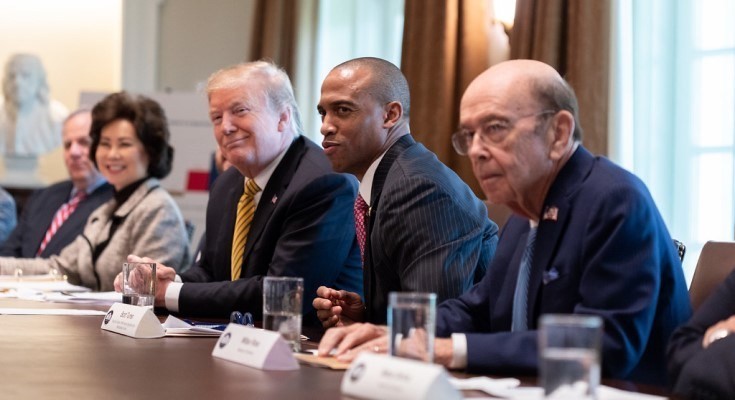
{"points": [[492, 131]]}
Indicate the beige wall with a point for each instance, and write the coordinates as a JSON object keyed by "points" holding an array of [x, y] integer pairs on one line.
{"points": [[81, 45], [79, 42], [199, 37]]}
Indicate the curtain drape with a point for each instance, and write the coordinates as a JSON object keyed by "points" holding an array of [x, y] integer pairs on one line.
{"points": [[573, 36], [274, 33], [445, 46]]}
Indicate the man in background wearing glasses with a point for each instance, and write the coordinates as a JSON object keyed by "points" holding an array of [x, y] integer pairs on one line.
{"points": [[585, 238]]}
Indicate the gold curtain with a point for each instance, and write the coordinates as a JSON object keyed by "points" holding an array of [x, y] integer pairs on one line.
{"points": [[444, 47], [573, 36], [274, 33]]}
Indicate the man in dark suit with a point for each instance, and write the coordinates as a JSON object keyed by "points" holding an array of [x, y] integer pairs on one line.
{"points": [[702, 351], [425, 230], [585, 238], [302, 221], [29, 239]]}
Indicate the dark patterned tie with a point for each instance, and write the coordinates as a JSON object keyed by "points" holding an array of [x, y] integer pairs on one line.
{"points": [[61, 215], [245, 212], [520, 298], [361, 211]]}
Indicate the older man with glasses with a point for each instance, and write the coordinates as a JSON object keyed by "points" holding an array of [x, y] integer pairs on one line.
{"points": [[585, 238]]}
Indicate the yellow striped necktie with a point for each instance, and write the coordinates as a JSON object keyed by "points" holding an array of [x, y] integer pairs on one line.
{"points": [[245, 212]]}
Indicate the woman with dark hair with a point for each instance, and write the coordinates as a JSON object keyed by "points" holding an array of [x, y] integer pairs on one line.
{"points": [[130, 148]]}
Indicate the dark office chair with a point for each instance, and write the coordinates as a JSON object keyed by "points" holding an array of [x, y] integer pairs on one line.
{"points": [[715, 263]]}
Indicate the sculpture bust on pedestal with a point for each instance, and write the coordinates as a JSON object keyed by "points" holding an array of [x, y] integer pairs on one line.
{"points": [[30, 121]]}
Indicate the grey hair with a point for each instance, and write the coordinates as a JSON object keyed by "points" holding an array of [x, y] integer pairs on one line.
{"points": [[276, 86], [557, 95]]}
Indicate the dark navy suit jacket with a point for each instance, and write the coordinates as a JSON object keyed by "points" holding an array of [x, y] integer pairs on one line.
{"points": [[37, 214], [303, 226], [699, 373], [427, 230], [601, 248]]}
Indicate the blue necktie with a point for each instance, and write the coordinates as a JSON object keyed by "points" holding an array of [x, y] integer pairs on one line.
{"points": [[520, 298]]}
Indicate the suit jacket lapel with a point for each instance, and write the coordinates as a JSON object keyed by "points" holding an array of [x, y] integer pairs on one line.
{"points": [[554, 218], [86, 206], [228, 224], [381, 174], [273, 190], [46, 214], [548, 235]]}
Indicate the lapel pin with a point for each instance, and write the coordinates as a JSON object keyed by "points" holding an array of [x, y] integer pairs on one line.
{"points": [[274, 199], [551, 213]]}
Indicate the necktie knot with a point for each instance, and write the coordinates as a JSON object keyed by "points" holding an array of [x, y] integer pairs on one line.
{"points": [[251, 188], [78, 197]]}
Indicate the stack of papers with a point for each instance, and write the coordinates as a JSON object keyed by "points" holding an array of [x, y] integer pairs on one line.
{"points": [[41, 283], [104, 298], [49, 311], [177, 327], [49, 288], [509, 388]]}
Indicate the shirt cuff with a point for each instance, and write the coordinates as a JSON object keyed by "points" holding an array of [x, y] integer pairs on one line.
{"points": [[459, 351], [172, 295]]}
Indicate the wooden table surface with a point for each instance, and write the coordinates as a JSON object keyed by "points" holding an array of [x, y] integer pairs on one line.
{"points": [[70, 357]]}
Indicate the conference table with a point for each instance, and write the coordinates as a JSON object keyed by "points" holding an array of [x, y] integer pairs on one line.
{"points": [[70, 357]]}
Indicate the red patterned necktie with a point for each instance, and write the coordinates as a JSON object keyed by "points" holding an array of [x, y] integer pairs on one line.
{"points": [[61, 215], [361, 211]]}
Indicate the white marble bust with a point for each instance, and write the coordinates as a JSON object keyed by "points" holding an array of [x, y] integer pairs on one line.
{"points": [[30, 122]]}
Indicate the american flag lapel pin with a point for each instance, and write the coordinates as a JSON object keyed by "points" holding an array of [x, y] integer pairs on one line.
{"points": [[551, 213], [274, 199]]}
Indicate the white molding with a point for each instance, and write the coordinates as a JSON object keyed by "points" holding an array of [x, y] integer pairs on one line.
{"points": [[140, 39]]}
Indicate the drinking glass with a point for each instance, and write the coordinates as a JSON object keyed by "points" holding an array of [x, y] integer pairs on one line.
{"points": [[282, 298]]}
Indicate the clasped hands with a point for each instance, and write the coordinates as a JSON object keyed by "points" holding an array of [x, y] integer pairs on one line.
{"points": [[164, 276]]}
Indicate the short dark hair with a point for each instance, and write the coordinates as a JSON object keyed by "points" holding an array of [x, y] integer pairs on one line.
{"points": [[557, 95], [151, 128], [388, 82]]}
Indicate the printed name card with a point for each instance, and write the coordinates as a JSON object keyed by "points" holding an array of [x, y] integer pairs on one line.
{"points": [[134, 321], [377, 376], [255, 348]]}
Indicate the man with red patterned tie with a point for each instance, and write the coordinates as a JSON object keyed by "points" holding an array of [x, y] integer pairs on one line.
{"points": [[54, 216]]}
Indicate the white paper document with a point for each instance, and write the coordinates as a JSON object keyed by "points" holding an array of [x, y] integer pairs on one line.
{"points": [[508, 388], [106, 298], [177, 327], [39, 284], [49, 311]]}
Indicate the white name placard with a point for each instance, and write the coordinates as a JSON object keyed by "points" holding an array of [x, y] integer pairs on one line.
{"points": [[255, 348], [376, 376], [134, 321]]}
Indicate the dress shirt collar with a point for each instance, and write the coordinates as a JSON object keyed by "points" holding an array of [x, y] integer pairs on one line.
{"points": [[90, 188], [265, 175], [366, 184]]}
